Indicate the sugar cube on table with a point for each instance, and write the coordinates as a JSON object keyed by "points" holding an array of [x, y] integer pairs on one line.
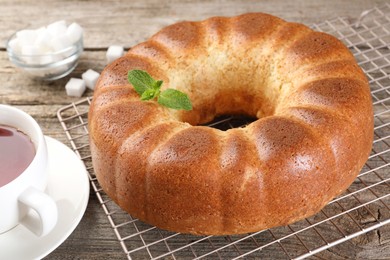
{"points": [[114, 52], [75, 87], [90, 78]]}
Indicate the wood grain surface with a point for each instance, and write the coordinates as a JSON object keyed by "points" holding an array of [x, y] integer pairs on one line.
{"points": [[127, 23]]}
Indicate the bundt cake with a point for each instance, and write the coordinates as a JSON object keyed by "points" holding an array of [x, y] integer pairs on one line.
{"points": [[312, 135]]}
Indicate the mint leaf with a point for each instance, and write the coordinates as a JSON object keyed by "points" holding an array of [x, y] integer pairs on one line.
{"points": [[150, 94], [175, 99], [149, 88], [141, 81], [158, 84]]}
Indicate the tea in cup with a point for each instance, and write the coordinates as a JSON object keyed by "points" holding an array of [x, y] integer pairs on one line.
{"points": [[24, 174], [16, 153]]}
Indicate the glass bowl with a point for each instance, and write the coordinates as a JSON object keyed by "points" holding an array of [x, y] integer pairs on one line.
{"points": [[48, 66]]}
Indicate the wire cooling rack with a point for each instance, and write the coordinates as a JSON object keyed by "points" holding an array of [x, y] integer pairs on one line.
{"points": [[364, 207]]}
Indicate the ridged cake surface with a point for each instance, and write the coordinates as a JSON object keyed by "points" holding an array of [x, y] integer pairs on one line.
{"points": [[312, 137]]}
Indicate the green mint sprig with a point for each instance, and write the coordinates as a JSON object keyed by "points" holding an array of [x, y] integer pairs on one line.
{"points": [[149, 88]]}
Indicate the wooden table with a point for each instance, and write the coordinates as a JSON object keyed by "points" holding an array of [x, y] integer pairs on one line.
{"points": [[127, 23]]}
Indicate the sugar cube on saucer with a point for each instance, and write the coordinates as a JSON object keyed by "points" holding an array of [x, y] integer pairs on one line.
{"points": [[114, 52], [90, 78], [75, 87]]}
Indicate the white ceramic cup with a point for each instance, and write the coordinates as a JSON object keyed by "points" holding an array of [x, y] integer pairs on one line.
{"points": [[23, 200]]}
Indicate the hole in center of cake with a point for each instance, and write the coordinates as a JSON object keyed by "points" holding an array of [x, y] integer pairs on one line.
{"points": [[226, 122]]}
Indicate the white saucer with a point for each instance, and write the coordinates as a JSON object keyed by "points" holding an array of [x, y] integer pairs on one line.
{"points": [[69, 186]]}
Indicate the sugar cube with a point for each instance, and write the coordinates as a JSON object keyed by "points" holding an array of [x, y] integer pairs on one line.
{"points": [[57, 28], [30, 53], [59, 42], [114, 52], [46, 42], [26, 37], [90, 78], [47, 59], [75, 87], [43, 38], [74, 32], [14, 45]]}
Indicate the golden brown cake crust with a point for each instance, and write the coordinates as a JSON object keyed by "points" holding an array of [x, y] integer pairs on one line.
{"points": [[312, 137]]}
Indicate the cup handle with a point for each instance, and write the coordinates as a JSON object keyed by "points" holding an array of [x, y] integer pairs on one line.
{"points": [[44, 206]]}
